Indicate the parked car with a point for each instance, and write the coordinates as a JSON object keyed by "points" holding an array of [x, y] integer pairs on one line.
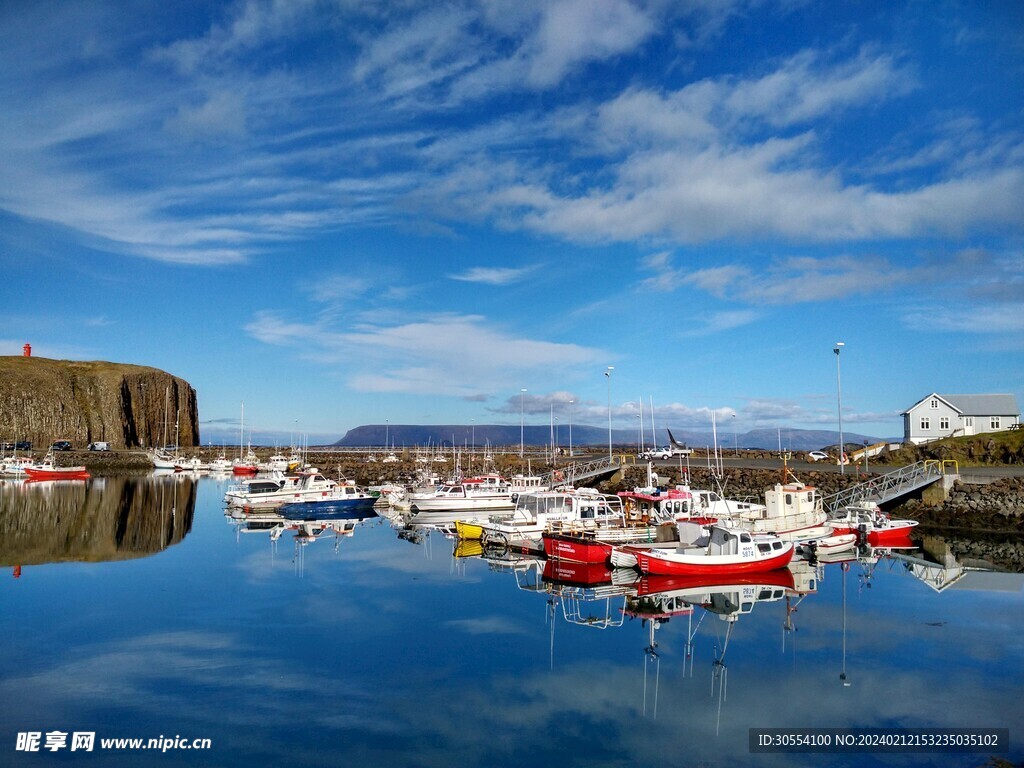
{"points": [[61, 445], [100, 446], [16, 445], [818, 456]]}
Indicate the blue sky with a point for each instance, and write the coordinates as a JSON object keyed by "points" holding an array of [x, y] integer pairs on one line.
{"points": [[344, 213]]}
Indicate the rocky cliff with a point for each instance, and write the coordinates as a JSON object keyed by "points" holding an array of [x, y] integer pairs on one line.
{"points": [[125, 405]]}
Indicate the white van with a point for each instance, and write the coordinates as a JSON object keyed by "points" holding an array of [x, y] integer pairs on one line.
{"points": [[99, 446]]}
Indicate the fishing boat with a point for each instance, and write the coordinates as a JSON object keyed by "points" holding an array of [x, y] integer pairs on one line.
{"points": [[595, 545], [481, 493], [537, 512], [344, 501], [278, 489], [685, 503], [871, 525], [47, 470], [720, 548]]}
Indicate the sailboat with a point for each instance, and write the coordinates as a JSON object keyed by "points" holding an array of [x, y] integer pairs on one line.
{"points": [[161, 458], [248, 464]]}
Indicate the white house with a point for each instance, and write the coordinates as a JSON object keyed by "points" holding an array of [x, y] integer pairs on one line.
{"points": [[938, 416]]}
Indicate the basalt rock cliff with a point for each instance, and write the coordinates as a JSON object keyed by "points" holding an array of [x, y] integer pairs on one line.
{"points": [[128, 406]]}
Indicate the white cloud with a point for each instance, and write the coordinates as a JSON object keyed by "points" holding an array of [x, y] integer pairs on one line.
{"points": [[459, 355], [493, 275]]}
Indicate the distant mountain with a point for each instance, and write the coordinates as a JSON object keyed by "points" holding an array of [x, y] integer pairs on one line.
{"points": [[409, 435]]}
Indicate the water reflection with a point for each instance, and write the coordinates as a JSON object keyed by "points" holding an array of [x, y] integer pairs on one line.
{"points": [[303, 528], [488, 658], [109, 518]]}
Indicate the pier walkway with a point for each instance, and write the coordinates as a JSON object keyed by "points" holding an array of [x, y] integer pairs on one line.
{"points": [[573, 472], [894, 484]]}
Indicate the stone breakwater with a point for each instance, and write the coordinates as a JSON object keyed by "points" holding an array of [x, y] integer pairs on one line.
{"points": [[996, 507]]}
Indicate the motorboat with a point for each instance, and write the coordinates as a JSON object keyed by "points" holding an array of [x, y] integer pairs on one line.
{"points": [[246, 465], [278, 489], [703, 550], [346, 500], [47, 470], [276, 463], [481, 493], [550, 510], [685, 503], [871, 525]]}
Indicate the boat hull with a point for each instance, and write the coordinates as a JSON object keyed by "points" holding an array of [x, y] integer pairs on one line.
{"points": [[328, 508], [576, 549], [57, 473], [896, 533], [667, 563]]}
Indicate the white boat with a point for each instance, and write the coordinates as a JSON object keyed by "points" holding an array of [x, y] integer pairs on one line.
{"points": [[220, 464], [276, 463], [278, 489], [683, 503], [475, 494], [14, 466], [792, 511], [535, 513]]}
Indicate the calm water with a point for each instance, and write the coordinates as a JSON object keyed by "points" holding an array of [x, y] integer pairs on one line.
{"points": [[140, 610]]}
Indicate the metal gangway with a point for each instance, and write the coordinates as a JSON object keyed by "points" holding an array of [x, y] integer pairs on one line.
{"points": [[576, 471], [891, 485]]}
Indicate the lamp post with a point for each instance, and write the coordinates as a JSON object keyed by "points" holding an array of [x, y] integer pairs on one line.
{"points": [[735, 439], [608, 375], [473, 449], [570, 427], [839, 396], [521, 393]]}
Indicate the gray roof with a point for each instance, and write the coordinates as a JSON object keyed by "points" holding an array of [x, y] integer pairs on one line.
{"points": [[976, 405], [983, 405]]}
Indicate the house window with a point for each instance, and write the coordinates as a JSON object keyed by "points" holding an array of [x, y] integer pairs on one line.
{"points": [[926, 423], [994, 423], [944, 423], [969, 421], [934, 403]]}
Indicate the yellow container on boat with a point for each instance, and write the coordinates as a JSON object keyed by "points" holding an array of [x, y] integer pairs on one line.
{"points": [[468, 531]]}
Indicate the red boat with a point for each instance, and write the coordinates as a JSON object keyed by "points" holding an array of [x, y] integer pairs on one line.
{"points": [[46, 471], [723, 550], [872, 525], [576, 549]]}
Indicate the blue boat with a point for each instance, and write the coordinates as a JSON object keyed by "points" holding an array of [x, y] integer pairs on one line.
{"points": [[347, 501]]}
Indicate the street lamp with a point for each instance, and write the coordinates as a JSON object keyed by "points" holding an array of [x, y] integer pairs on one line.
{"points": [[521, 393], [608, 375], [735, 439], [570, 427], [839, 395]]}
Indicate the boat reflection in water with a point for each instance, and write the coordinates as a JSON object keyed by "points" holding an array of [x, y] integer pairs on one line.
{"points": [[304, 529], [110, 518]]}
